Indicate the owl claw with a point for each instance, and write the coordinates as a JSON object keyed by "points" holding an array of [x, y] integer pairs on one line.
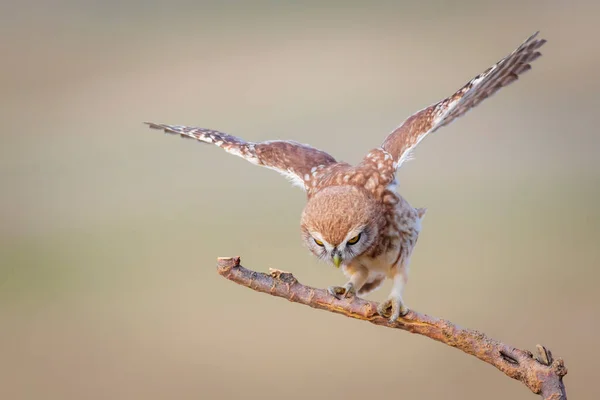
{"points": [[340, 292], [336, 291], [392, 307]]}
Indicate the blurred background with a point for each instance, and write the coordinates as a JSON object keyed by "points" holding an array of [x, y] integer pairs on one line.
{"points": [[109, 231]]}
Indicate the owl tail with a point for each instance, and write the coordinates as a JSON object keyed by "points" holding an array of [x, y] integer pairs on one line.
{"points": [[421, 212]]}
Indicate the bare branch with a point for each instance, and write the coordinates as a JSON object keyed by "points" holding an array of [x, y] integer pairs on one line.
{"points": [[543, 374]]}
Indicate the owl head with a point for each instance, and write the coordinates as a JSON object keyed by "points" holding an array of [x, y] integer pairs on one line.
{"points": [[340, 223]]}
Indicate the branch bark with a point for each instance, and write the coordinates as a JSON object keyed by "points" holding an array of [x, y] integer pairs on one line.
{"points": [[542, 374]]}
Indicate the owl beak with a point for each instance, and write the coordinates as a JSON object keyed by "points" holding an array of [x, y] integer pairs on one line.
{"points": [[337, 260]]}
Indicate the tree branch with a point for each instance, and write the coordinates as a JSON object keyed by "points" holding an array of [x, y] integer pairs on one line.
{"points": [[542, 374]]}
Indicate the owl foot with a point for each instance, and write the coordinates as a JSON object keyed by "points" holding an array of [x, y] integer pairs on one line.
{"points": [[340, 292], [394, 307]]}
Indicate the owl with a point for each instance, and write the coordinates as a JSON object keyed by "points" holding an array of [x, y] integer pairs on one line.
{"points": [[354, 217]]}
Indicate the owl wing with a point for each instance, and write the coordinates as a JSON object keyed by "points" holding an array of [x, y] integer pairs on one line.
{"points": [[295, 161], [407, 136]]}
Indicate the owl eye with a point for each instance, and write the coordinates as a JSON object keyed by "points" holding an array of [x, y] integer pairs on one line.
{"points": [[355, 239], [317, 241]]}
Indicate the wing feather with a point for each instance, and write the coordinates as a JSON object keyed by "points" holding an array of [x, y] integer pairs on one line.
{"points": [[293, 160], [407, 136]]}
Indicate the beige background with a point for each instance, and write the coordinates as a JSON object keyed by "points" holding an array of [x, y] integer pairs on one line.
{"points": [[110, 231]]}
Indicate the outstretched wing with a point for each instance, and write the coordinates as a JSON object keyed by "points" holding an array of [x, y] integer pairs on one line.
{"points": [[403, 139], [294, 160]]}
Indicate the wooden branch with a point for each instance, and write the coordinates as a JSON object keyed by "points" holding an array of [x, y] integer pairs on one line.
{"points": [[542, 374]]}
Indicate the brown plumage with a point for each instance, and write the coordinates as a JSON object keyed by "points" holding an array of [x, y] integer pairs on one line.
{"points": [[354, 217]]}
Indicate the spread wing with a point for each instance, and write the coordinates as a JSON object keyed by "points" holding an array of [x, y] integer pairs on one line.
{"points": [[403, 139], [295, 161]]}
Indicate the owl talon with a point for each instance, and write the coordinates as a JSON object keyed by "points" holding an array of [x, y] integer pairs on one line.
{"points": [[336, 291], [393, 307], [350, 290], [340, 292]]}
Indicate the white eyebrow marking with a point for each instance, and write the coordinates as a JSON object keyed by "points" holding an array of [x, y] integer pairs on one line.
{"points": [[319, 237], [351, 234]]}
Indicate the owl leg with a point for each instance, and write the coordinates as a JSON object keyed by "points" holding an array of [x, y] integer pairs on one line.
{"points": [[370, 286], [394, 301], [358, 277]]}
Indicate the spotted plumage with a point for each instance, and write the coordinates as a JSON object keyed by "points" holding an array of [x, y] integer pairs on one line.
{"points": [[354, 216]]}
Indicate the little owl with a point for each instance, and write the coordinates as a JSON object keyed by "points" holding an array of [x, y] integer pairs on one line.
{"points": [[354, 218]]}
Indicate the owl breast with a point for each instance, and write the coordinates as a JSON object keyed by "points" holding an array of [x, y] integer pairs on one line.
{"points": [[397, 241]]}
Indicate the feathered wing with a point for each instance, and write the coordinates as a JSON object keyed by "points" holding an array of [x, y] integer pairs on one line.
{"points": [[403, 139], [293, 160]]}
